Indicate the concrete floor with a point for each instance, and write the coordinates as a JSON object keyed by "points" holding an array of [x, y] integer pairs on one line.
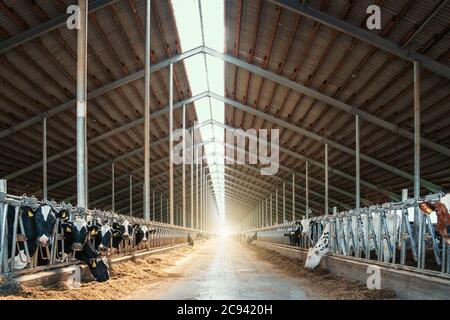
{"points": [[226, 269]]}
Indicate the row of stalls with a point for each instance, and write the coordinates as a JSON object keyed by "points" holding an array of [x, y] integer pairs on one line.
{"points": [[385, 233], [14, 242]]}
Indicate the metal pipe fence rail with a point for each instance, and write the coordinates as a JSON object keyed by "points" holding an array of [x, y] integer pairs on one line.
{"points": [[383, 233], [10, 258]]}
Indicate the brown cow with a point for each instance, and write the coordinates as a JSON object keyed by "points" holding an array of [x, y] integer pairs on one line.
{"points": [[443, 217]]}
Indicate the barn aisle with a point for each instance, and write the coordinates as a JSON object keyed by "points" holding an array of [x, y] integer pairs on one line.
{"points": [[226, 269]]}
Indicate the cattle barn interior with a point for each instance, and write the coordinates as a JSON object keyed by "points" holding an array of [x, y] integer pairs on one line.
{"points": [[293, 118]]}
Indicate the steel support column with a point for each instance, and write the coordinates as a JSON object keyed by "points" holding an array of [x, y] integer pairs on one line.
{"points": [[81, 104], [171, 143], [358, 162], [44, 159], [201, 192], [147, 111], [307, 188], [196, 187], [131, 195], [113, 189], [271, 211], [267, 213], [418, 219], [293, 196], [192, 180], [153, 200], [184, 167], [326, 179], [276, 205], [284, 202]]}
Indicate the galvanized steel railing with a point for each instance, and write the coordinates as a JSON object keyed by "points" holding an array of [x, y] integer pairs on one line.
{"points": [[352, 233], [165, 234]]}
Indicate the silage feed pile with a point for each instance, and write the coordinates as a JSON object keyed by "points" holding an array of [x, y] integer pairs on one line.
{"points": [[126, 278], [322, 281]]}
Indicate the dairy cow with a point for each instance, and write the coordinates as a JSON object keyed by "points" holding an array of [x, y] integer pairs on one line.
{"points": [[141, 233], [308, 227], [306, 231], [295, 236], [350, 237], [75, 233], [321, 248], [190, 241], [26, 214], [45, 224], [126, 229], [102, 235], [252, 238], [117, 234], [76, 242], [97, 264], [441, 208]]}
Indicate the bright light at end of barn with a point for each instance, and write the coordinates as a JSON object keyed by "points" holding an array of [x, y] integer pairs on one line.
{"points": [[224, 231]]}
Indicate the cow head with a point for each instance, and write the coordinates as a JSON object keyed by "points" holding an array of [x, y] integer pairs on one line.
{"points": [[320, 249], [305, 226], [427, 207], [116, 234], [126, 229], [146, 232], [97, 265], [45, 223], [105, 235], [63, 215], [299, 229], [438, 207], [140, 233], [78, 231]]}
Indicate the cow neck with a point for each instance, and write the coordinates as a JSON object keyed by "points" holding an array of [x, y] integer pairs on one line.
{"points": [[45, 210], [104, 229]]}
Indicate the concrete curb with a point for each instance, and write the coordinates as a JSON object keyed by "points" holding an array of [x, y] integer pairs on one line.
{"points": [[406, 284], [47, 278]]}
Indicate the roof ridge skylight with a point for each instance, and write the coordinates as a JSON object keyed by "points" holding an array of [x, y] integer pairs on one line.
{"points": [[199, 23]]}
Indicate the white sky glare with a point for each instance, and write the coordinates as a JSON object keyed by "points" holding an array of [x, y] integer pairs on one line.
{"points": [[187, 15]]}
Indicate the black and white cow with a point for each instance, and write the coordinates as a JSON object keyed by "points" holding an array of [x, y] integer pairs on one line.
{"points": [[39, 227], [75, 234], [190, 241], [76, 242], [141, 233], [320, 249], [295, 236], [117, 235], [45, 224], [102, 236], [97, 264], [126, 229], [252, 238], [26, 214], [441, 208]]}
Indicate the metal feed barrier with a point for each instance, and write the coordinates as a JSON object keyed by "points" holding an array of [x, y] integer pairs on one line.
{"points": [[383, 233], [165, 235]]}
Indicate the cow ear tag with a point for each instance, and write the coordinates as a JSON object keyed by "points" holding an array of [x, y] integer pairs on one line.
{"points": [[68, 229], [94, 264], [93, 233], [30, 213]]}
